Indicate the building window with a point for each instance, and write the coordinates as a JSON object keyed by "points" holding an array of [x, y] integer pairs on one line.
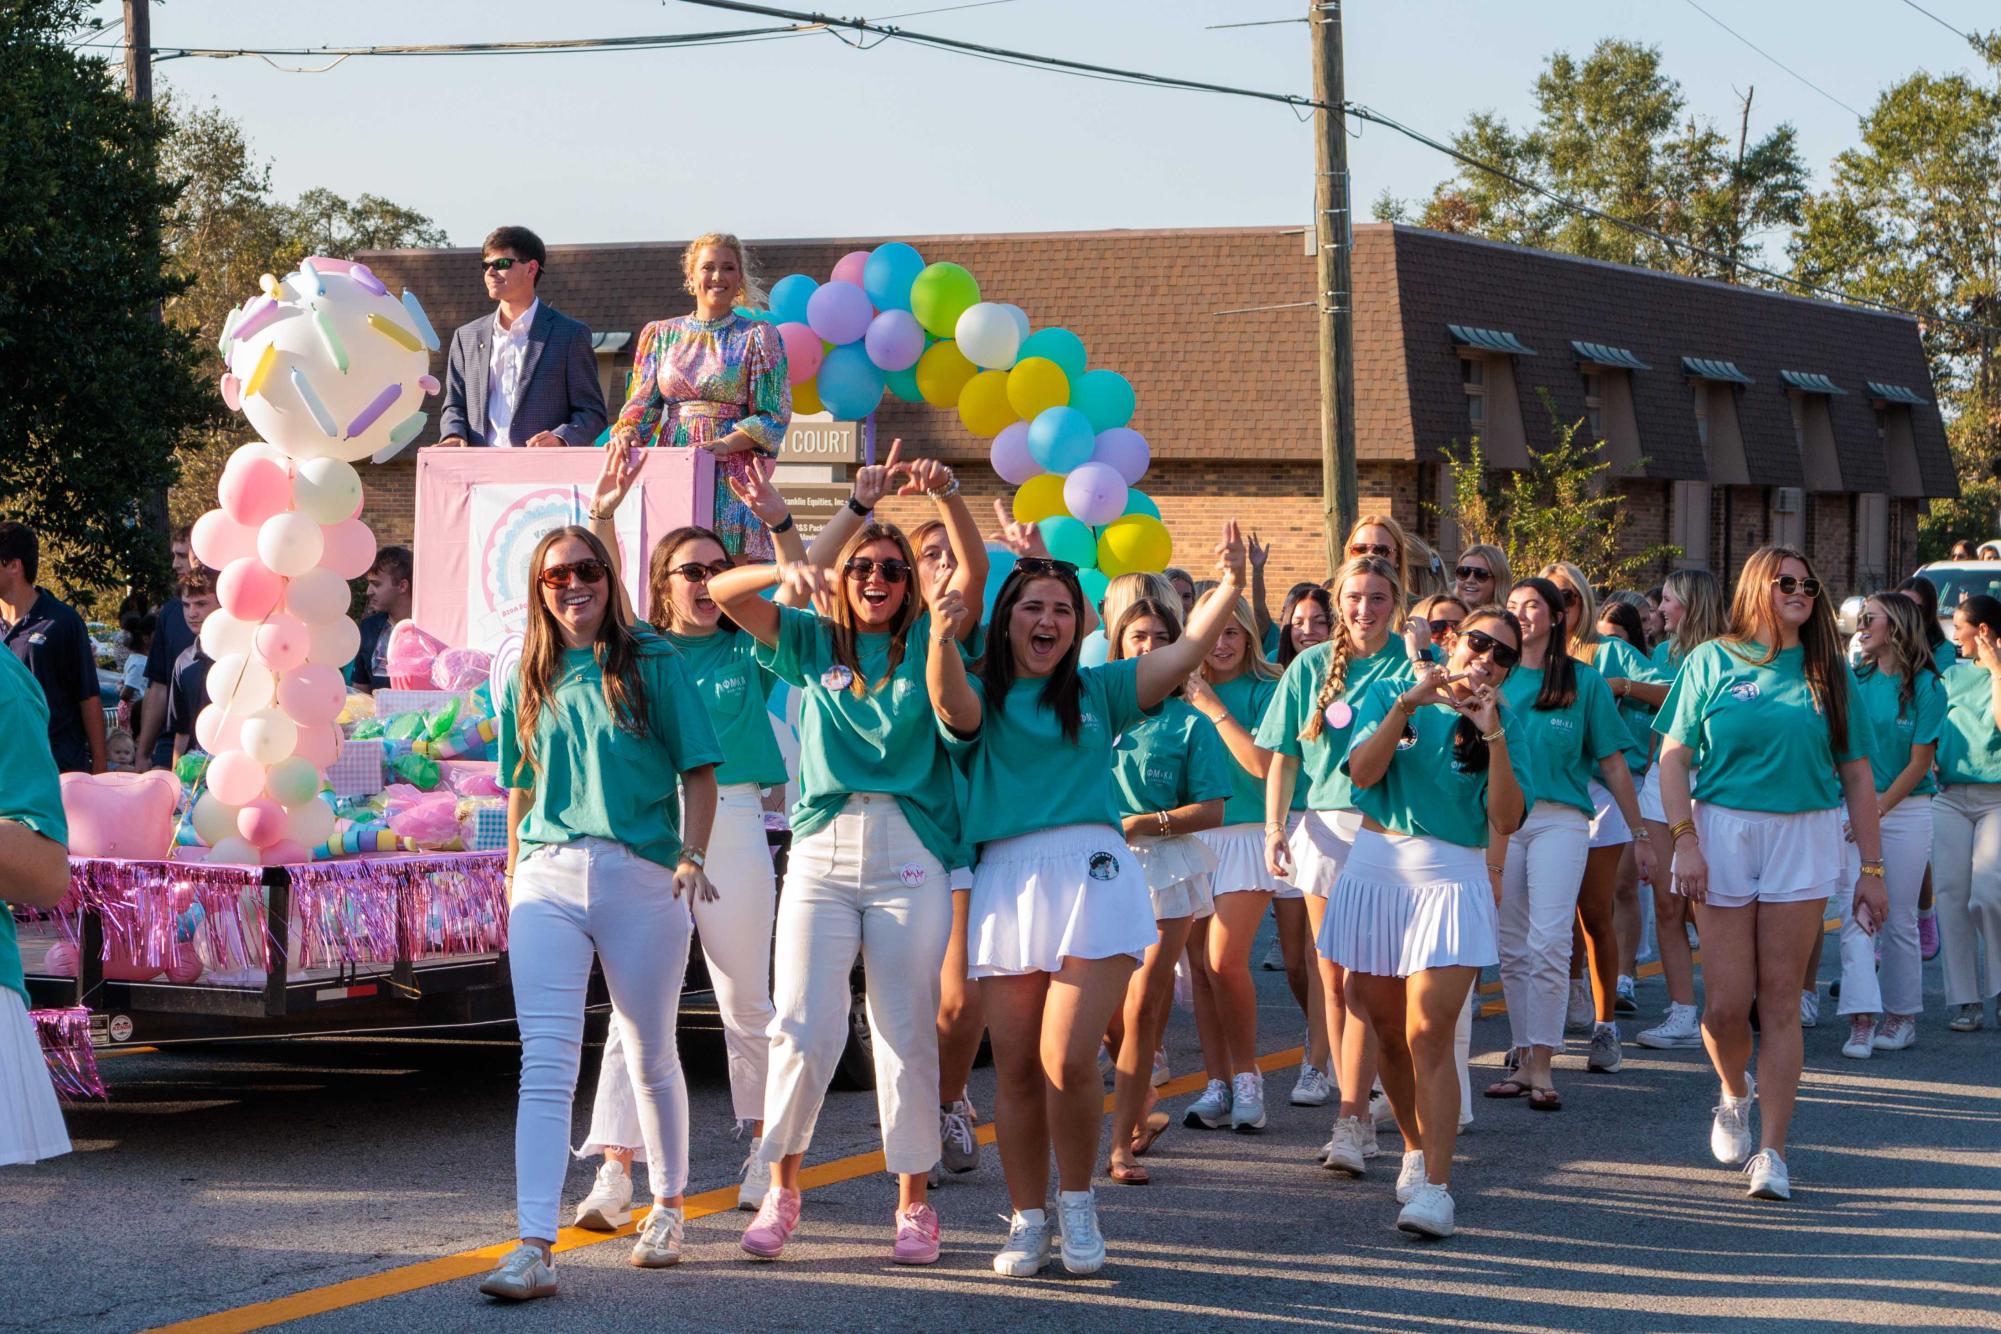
{"points": [[1593, 420], [1473, 378], [1872, 541], [1688, 524], [1788, 528]]}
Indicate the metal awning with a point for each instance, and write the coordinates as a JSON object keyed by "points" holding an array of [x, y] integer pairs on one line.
{"points": [[1710, 369], [1812, 382], [1896, 393], [605, 344], [1489, 340], [1609, 356]]}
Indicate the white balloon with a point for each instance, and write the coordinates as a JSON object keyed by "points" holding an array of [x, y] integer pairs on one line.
{"points": [[239, 685], [988, 336], [223, 634], [334, 643], [269, 736], [290, 543], [310, 823], [326, 489], [1019, 316], [213, 820], [317, 595]]}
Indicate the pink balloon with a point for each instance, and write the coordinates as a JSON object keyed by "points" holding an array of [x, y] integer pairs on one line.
{"points": [[287, 853], [248, 590], [1011, 457], [350, 548], [1094, 493], [282, 641], [895, 340], [413, 655], [803, 352], [1125, 450], [218, 539], [850, 267], [218, 730], [121, 815], [261, 823], [312, 696], [318, 744], [235, 778], [254, 489], [184, 967]]}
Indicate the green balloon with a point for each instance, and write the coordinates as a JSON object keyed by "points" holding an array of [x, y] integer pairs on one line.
{"points": [[1139, 502], [940, 295], [1069, 539], [1106, 397], [1059, 345], [903, 384]]}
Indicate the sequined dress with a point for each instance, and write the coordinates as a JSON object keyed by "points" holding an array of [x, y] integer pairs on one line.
{"points": [[694, 381]]}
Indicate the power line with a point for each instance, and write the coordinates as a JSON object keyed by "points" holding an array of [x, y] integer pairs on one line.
{"points": [[1774, 59], [1964, 37], [553, 46]]}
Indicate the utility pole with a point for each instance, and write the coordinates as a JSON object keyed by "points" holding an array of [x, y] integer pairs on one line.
{"points": [[1737, 183], [138, 50], [1333, 231]]}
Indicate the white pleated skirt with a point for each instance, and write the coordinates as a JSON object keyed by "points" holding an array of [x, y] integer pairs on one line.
{"points": [[31, 1120], [1073, 892], [1177, 871], [1406, 904], [1650, 797], [1320, 845], [1240, 860]]}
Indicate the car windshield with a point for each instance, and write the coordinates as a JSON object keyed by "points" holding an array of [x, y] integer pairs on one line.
{"points": [[1957, 583]]}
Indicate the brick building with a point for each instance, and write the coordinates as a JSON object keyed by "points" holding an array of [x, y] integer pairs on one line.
{"points": [[1733, 416]]}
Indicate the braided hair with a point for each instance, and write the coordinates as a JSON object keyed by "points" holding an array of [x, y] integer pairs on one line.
{"points": [[1341, 644]]}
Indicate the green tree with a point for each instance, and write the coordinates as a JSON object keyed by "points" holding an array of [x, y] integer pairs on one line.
{"points": [[323, 223]]}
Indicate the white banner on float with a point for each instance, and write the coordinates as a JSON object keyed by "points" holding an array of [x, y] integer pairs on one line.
{"points": [[504, 522]]}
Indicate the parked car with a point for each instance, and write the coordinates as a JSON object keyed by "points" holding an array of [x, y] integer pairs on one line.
{"points": [[1958, 580]]}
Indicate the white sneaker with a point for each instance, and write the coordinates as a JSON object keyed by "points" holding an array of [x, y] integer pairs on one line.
{"points": [[1211, 1110], [959, 1147], [609, 1205], [1896, 1032], [756, 1178], [1343, 1150], [1429, 1212], [1861, 1044], [659, 1243], [1605, 1057], [1410, 1176], [1624, 998], [1027, 1251], [1730, 1132], [1680, 1029], [1160, 1074], [1083, 1244], [1769, 1179], [1371, 1141], [1247, 1103], [1312, 1088], [521, 1275], [1581, 1013], [1809, 1009]]}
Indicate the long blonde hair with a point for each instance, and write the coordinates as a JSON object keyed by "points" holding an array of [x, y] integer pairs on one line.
{"points": [[616, 651], [1497, 565], [842, 623], [1255, 662], [1341, 643], [1126, 589], [1752, 621], [1703, 615], [749, 292], [1399, 539], [1584, 639]]}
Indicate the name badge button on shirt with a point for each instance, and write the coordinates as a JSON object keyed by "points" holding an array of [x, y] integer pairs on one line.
{"points": [[913, 875], [837, 677], [1747, 691]]}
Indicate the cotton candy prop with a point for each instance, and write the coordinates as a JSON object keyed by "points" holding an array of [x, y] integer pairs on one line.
{"points": [[129, 816], [461, 669], [412, 655]]}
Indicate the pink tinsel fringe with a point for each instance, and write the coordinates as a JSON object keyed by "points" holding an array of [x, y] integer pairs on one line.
{"points": [[65, 1038]]}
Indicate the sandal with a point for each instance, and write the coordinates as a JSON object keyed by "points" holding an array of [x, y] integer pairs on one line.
{"points": [[1145, 1135], [1508, 1088], [1127, 1176], [1545, 1100]]}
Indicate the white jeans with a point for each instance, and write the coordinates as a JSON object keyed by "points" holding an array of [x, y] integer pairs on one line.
{"points": [[1539, 884], [1966, 882], [866, 883], [1907, 847], [734, 931], [573, 900]]}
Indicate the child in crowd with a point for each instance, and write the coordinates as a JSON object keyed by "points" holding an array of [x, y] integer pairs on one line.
{"points": [[187, 696], [119, 749]]}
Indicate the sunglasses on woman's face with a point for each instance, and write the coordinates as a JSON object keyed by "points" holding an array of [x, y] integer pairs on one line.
{"points": [[591, 571], [1440, 629], [1472, 574], [893, 571], [1789, 584], [1483, 645], [695, 572], [1376, 549], [1569, 594], [1046, 568], [1866, 619]]}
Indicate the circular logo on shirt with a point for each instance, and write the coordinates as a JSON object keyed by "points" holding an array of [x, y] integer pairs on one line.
{"points": [[1103, 866], [837, 677], [1338, 714], [1745, 691], [913, 874]]}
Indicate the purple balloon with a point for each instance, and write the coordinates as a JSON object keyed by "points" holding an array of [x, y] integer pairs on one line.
{"points": [[1011, 457], [1125, 450], [839, 312], [895, 340], [1094, 493]]}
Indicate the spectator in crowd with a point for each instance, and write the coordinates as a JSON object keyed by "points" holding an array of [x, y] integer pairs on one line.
{"points": [[388, 602], [524, 375], [1962, 550], [137, 636], [120, 752], [189, 695], [49, 638], [171, 638]]}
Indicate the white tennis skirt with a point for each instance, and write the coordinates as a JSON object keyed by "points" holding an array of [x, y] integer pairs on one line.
{"points": [[1608, 822], [1773, 857], [1073, 892], [1650, 797], [1320, 845], [1177, 871], [31, 1120], [1240, 860], [1404, 904]]}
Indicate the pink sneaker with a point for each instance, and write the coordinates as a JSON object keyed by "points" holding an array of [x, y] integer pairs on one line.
{"points": [[916, 1236], [776, 1217], [1927, 935]]}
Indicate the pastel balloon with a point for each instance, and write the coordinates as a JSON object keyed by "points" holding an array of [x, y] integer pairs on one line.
{"points": [[217, 539], [1125, 451], [903, 384], [222, 634], [983, 404], [120, 814], [348, 548], [891, 269], [789, 296], [326, 489], [1058, 345], [840, 313], [320, 745], [940, 295], [1139, 502], [248, 589], [281, 641], [1035, 385], [850, 384], [1094, 582], [239, 684], [216, 731], [1039, 498], [987, 335], [269, 736], [1020, 318], [290, 543], [1060, 439], [942, 374], [1069, 539], [285, 852], [333, 643], [233, 851], [1094, 650], [292, 780], [235, 779], [1011, 458], [1095, 493], [1106, 397], [214, 819], [806, 399], [253, 489], [852, 267], [317, 595], [310, 823], [1135, 542], [261, 823], [313, 695], [802, 352], [895, 340]]}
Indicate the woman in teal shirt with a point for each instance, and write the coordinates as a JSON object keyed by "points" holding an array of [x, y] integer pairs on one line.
{"points": [[1966, 818], [1434, 766], [1769, 715], [1060, 913]]}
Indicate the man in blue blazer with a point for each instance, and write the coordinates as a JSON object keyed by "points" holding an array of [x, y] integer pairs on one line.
{"points": [[524, 375]]}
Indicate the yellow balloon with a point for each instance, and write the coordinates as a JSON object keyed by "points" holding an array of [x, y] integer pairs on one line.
{"points": [[1137, 542], [806, 397], [983, 404], [942, 373], [1040, 498], [1036, 384]]}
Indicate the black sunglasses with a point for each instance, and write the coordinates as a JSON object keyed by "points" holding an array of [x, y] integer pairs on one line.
{"points": [[591, 571], [1368, 549], [893, 571], [1866, 619], [1465, 573], [1569, 595], [1484, 645], [501, 265], [1440, 629], [1045, 567], [1790, 584], [695, 572]]}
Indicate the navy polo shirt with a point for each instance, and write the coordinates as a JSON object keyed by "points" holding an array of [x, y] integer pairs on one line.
{"points": [[54, 646], [373, 626]]}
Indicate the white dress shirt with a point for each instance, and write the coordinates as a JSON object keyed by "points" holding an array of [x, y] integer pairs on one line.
{"points": [[503, 375]]}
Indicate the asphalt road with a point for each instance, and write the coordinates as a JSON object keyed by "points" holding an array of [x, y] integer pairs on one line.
{"points": [[220, 1178]]}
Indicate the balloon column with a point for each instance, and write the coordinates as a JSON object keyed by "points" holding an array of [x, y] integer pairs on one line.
{"points": [[330, 369], [887, 322]]}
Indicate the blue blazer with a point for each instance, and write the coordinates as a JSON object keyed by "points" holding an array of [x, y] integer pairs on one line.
{"points": [[559, 382]]}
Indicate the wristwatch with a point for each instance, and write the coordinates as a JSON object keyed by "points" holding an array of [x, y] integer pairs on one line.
{"points": [[695, 857]]}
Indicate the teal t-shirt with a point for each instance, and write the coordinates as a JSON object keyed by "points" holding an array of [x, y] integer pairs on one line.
{"points": [[1895, 727], [1566, 744], [736, 690], [1171, 757], [1424, 791], [1617, 658], [1024, 775], [886, 741], [1322, 780], [595, 779], [1759, 736], [1945, 656], [1969, 747], [1246, 698], [32, 793], [1272, 633]]}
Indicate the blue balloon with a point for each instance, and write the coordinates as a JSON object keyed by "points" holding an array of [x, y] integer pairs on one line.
{"points": [[1000, 564], [850, 384], [1106, 397], [887, 276], [789, 296], [1059, 345], [1095, 651], [1059, 438], [1139, 502], [903, 384]]}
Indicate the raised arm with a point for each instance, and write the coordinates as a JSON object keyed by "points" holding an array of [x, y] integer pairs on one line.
{"points": [[1166, 668], [969, 572], [1254, 759], [1260, 610], [739, 592], [953, 698]]}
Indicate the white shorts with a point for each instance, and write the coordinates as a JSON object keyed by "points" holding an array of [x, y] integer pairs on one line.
{"points": [[1608, 822], [1288, 887], [31, 1120], [1177, 871], [1770, 857], [1650, 796], [1320, 845], [1073, 892], [1406, 904], [1240, 860]]}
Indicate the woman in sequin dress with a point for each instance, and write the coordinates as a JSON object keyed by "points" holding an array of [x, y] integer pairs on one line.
{"points": [[716, 380]]}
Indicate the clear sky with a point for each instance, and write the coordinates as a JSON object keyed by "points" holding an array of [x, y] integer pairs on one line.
{"points": [[807, 137]]}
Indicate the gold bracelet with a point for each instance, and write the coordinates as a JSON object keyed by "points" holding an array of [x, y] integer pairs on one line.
{"points": [[1497, 868], [1166, 829], [1678, 828]]}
